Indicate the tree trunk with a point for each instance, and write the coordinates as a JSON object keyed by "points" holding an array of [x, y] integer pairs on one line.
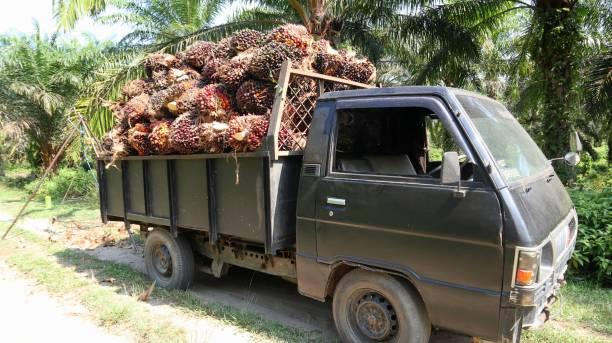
{"points": [[556, 65]]}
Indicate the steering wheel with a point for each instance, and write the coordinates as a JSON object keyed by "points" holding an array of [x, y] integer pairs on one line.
{"points": [[437, 169]]}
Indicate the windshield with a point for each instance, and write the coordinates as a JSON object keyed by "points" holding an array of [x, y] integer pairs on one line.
{"points": [[516, 154]]}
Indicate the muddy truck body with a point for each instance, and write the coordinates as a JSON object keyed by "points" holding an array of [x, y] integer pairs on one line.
{"points": [[470, 233]]}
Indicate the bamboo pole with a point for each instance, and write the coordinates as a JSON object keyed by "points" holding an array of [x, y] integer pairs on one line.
{"points": [[41, 180]]}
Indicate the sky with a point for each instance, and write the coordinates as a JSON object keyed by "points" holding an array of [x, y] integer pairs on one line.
{"points": [[17, 16]]}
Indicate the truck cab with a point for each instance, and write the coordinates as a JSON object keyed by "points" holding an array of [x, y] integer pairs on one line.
{"points": [[479, 230]]}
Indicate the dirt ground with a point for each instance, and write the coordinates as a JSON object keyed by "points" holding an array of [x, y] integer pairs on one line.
{"points": [[25, 305]]}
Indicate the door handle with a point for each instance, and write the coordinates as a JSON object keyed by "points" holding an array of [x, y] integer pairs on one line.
{"points": [[336, 201]]}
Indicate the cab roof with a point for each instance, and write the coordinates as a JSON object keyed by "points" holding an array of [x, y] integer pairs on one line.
{"points": [[445, 92]]}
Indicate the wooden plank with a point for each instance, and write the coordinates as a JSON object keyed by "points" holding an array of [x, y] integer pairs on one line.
{"points": [[279, 105], [318, 76]]}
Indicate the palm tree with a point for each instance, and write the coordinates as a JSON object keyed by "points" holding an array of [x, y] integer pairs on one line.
{"points": [[40, 82]]}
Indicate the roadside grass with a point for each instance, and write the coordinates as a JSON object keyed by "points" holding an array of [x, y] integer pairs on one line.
{"points": [[66, 271]]}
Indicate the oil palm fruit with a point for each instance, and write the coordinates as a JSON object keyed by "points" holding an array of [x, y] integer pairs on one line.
{"points": [[266, 62], [255, 97], [296, 36], [331, 64], [200, 53], [159, 138], [213, 137], [136, 109], [224, 49], [246, 133], [232, 74], [246, 39], [359, 71], [134, 88], [159, 62], [187, 101], [184, 134], [138, 138], [213, 103]]}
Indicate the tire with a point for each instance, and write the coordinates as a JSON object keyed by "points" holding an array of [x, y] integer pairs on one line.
{"points": [[362, 298], [169, 260]]}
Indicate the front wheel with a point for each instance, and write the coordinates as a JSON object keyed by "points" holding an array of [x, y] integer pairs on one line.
{"points": [[169, 260], [376, 307]]}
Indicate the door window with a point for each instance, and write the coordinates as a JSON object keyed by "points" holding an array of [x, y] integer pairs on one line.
{"points": [[405, 142]]}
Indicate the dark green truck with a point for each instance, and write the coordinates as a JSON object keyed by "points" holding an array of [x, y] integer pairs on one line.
{"points": [[401, 238]]}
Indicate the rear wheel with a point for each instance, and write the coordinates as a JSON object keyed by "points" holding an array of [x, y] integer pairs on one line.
{"points": [[169, 260], [376, 307]]}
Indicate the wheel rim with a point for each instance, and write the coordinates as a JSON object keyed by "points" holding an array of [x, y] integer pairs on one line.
{"points": [[162, 260], [374, 316]]}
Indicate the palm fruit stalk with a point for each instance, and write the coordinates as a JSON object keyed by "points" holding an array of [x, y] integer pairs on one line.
{"points": [[246, 133], [266, 62], [184, 134], [199, 54], [246, 39], [214, 137], [213, 103], [160, 99], [255, 97], [138, 138], [159, 138]]}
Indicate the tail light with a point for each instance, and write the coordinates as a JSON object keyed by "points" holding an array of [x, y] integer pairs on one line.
{"points": [[527, 268]]}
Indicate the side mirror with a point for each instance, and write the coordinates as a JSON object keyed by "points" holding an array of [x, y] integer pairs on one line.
{"points": [[572, 158], [575, 144], [451, 171]]}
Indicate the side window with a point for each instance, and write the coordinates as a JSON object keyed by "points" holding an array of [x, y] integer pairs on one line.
{"points": [[407, 142]]}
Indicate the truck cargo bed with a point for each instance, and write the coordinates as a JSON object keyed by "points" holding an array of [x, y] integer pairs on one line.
{"points": [[246, 196]]}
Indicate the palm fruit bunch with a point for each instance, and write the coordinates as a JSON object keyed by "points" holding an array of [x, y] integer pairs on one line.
{"points": [[266, 62], [200, 53], [136, 109], [134, 88], [217, 97], [246, 133], [184, 134], [359, 71], [213, 137], [255, 97], [213, 103], [246, 39], [159, 138], [138, 138], [232, 74], [292, 35]]}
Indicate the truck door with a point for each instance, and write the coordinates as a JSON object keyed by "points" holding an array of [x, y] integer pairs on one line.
{"points": [[380, 203]]}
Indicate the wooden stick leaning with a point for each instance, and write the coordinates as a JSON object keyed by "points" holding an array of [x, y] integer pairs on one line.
{"points": [[42, 179]]}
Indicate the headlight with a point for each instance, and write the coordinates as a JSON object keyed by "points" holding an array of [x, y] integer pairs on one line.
{"points": [[527, 268]]}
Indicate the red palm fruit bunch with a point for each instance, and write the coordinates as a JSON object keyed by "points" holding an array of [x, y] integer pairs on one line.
{"points": [[162, 98], [359, 71], [159, 138], [331, 64], [267, 60], [199, 54], [321, 46], [138, 138], [134, 88], [285, 140], [255, 97], [214, 137], [136, 109], [246, 39], [184, 134], [213, 103], [296, 36], [246, 133], [232, 74], [209, 71]]}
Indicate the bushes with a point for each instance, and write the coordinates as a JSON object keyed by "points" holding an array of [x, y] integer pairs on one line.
{"points": [[593, 255], [68, 182]]}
